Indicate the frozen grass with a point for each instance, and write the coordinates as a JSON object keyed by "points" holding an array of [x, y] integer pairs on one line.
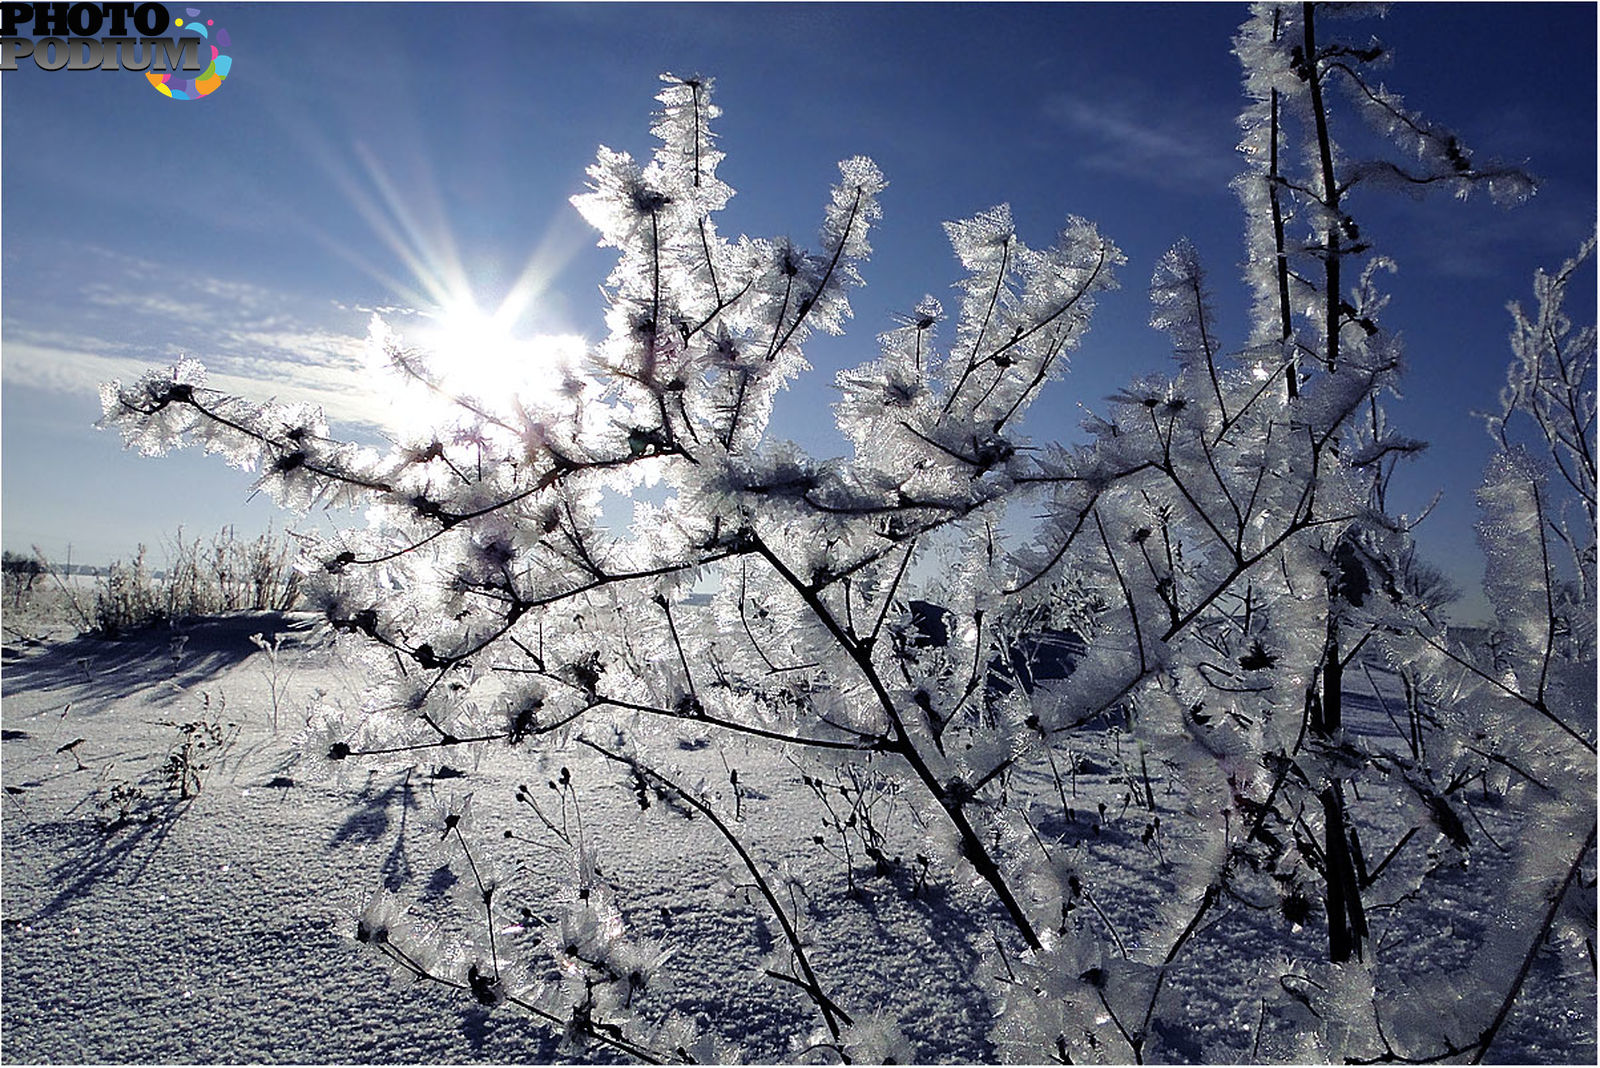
{"points": [[202, 578], [216, 929]]}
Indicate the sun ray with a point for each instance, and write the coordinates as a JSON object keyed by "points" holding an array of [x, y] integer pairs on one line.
{"points": [[501, 344]]}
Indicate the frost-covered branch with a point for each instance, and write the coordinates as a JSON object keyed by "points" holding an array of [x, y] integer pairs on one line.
{"points": [[1210, 566]]}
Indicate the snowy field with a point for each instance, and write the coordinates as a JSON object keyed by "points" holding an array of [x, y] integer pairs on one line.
{"points": [[142, 927]]}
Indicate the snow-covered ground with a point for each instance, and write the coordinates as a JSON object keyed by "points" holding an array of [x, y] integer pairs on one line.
{"points": [[217, 928]]}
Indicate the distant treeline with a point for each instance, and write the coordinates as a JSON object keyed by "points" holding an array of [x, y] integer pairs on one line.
{"points": [[29, 564]]}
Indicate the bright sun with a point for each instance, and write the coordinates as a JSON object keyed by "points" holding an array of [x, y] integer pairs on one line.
{"points": [[477, 347], [488, 348], [484, 355]]}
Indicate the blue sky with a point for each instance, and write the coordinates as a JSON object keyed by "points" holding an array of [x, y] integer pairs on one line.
{"points": [[367, 156]]}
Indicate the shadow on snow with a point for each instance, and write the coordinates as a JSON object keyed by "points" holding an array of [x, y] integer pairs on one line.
{"points": [[183, 655]]}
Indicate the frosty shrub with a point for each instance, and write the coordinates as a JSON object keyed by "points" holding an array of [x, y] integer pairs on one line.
{"points": [[201, 744], [37, 596], [226, 574], [1525, 706], [1219, 556], [230, 574], [278, 671], [20, 572]]}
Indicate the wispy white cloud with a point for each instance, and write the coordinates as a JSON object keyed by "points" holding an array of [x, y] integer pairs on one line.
{"points": [[127, 318], [342, 393], [63, 370], [1171, 144]]}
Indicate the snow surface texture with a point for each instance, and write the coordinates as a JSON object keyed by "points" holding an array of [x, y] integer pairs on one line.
{"points": [[205, 930]]}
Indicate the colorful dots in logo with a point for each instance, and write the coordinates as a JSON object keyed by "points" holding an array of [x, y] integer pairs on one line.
{"points": [[172, 83]]}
